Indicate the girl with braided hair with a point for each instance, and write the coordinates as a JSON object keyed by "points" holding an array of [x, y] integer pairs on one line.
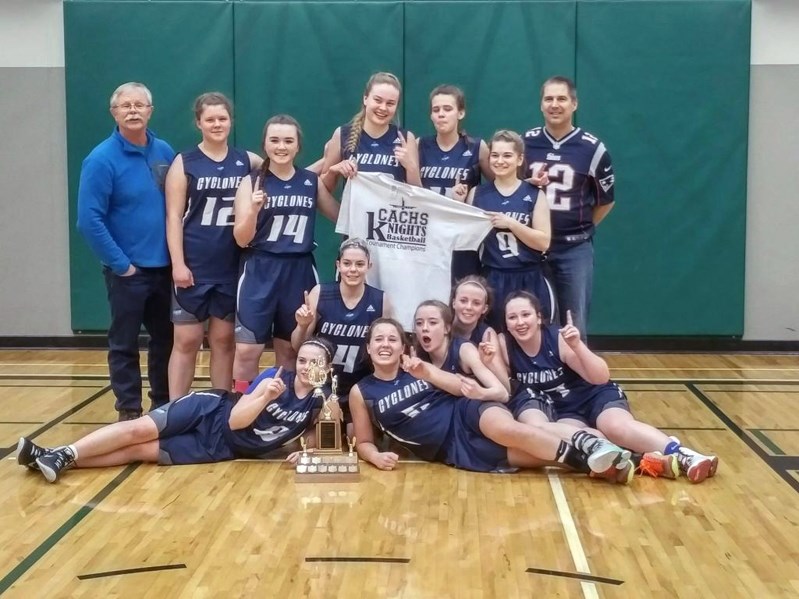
{"points": [[370, 142]]}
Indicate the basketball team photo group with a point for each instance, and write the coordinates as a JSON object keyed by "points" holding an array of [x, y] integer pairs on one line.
{"points": [[454, 330]]}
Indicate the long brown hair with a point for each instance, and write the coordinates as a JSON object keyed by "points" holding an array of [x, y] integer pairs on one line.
{"points": [[278, 119]]}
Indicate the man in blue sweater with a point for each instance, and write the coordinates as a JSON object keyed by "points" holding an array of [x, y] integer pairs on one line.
{"points": [[122, 215]]}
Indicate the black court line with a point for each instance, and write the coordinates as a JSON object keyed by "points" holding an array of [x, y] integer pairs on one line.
{"points": [[131, 571], [21, 422], [34, 556], [693, 381], [765, 440], [777, 430], [779, 464], [692, 428], [762, 390], [576, 575], [5, 451], [361, 560], [94, 423]]}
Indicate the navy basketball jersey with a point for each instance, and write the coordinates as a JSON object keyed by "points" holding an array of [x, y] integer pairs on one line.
{"points": [[346, 330], [441, 170], [580, 177], [501, 249], [209, 249], [452, 361], [478, 333], [376, 155], [546, 372], [281, 421], [286, 223], [411, 411]]}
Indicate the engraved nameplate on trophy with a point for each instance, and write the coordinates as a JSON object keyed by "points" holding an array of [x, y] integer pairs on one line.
{"points": [[326, 462]]}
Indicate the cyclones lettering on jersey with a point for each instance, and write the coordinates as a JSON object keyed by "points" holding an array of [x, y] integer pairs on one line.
{"points": [[395, 397], [377, 159], [401, 224], [280, 413], [335, 329], [289, 201], [218, 183], [539, 377], [444, 172]]}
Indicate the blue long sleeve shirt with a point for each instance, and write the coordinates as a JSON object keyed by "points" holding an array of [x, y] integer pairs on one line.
{"points": [[121, 204]]}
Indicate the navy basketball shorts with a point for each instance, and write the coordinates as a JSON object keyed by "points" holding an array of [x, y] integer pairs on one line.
{"points": [[506, 281], [203, 300], [467, 447], [527, 399], [587, 411], [190, 430], [270, 290]]}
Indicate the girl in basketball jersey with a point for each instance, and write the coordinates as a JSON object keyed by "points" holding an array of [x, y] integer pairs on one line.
{"points": [[201, 427], [419, 406], [341, 312], [570, 384], [512, 256], [435, 344], [200, 188], [275, 216], [451, 159], [370, 142]]}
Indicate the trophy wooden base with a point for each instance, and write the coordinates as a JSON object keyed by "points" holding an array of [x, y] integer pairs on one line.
{"points": [[327, 468]]}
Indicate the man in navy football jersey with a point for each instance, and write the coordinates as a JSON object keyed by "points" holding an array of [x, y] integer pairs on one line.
{"points": [[580, 194]]}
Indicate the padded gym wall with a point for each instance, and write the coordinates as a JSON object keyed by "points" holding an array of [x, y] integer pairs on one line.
{"points": [[670, 105]]}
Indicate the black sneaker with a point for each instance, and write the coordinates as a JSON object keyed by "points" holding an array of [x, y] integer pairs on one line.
{"points": [[51, 464], [28, 452], [128, 415]]}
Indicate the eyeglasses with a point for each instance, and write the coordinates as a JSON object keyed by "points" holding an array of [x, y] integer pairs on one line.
{"points": [[127, 106]]}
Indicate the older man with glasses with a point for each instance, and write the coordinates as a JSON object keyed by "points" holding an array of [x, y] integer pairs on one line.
{"points": [[122, 215]]}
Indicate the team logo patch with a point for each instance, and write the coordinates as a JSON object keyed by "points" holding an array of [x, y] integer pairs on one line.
{"points": [[553, 156], [239, 163], [398, 140], [287, 186], [220, 168], [308, 183], [400, 226], [607, 182], [467, 153], [533, 132], [371, 308], [527, 198]]}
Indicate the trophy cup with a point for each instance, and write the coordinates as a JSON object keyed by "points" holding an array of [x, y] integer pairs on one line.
{"points": [[326, 462]]}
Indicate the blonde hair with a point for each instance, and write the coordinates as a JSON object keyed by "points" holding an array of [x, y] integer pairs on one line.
{"points": [[356, 124]]}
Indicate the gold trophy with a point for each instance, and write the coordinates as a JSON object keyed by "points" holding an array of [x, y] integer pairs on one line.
{"points": [[326, 462]]}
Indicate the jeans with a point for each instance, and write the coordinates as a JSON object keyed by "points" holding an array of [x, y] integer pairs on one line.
{"points": [[143, 298], [572, 273]]}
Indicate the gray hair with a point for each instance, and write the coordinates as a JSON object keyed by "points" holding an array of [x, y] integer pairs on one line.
{"points": [[129, 86]]}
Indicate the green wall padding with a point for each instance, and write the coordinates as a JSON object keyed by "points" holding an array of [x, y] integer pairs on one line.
{"points": [[666, 86], [663, 83]]}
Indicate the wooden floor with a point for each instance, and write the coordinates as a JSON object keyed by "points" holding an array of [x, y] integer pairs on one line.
{"points": [[245, 529]]}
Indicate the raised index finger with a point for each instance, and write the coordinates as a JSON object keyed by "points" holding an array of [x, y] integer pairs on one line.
{"points": [[569, 320], [403, 141], [257, 185], [278, 373], [307, 301]]}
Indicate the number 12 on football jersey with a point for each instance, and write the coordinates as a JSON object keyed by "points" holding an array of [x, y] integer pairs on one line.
{"points": [[561, 181]]}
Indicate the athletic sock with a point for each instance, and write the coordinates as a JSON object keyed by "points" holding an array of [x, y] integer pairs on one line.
{"points": [[569, 456], [72, 452], [240, 386]]}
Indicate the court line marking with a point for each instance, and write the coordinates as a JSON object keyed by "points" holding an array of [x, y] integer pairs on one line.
{"points": [[766, 441], [34, 556], [572, 536], [778, 464], [577, 575], [4, 451], [370, 560], [131, 571]]}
